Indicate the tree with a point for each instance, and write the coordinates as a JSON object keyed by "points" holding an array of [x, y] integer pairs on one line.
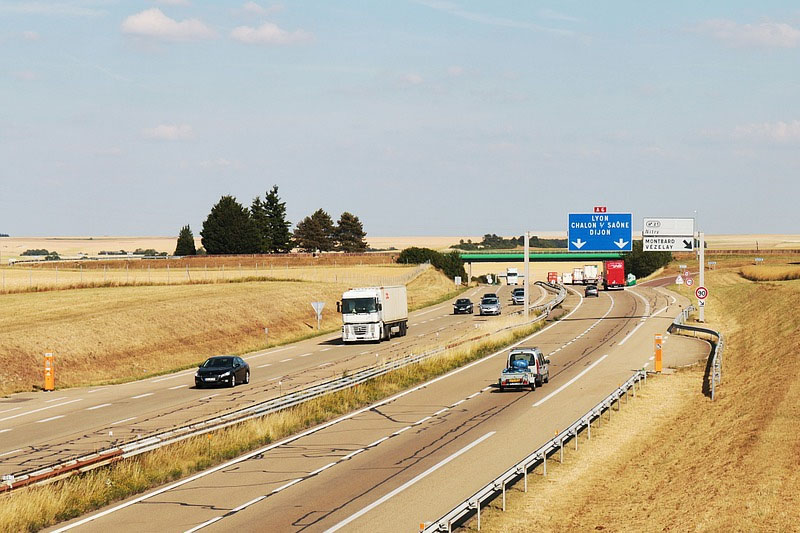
{"points": [[641, 263], [350, 234], [185, 244], [315, 233], [229, 229], [450, 263], [269, 216]]}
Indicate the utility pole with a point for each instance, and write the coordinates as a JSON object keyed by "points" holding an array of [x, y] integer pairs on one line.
{"points": [[701, 235], [525, 284]]}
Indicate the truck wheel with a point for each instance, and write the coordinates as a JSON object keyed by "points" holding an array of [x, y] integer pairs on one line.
{"points": [[533, 385]]}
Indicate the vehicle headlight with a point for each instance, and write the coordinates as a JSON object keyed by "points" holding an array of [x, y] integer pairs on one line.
{"points": [[225, 374], [197, 374]]}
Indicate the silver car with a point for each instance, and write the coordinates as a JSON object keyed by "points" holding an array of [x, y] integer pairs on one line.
{"points": [[490, 306]]}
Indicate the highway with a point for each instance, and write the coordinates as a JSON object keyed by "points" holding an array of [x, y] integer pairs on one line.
{"points": [[411, 458], [38, 429]]}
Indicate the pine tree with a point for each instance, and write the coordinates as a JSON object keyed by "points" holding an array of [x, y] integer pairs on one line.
{"points": [[258, 212], [280, 236], [350, 234], [315, 233], [185, 244], [229, 229]]}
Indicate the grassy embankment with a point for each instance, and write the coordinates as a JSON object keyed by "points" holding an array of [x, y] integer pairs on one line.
{"points": [[33, 508], [676, 461], [115, 334]]}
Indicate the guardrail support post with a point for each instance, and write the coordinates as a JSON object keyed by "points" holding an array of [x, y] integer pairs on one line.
{"points": [[589, 427], [525, 470], [478, 502], [504, 496], [576, 438], [544, 464], [561, 461]]}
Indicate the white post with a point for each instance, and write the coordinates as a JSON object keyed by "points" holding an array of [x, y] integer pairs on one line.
{"points": [[525, 283], [702, 314]]}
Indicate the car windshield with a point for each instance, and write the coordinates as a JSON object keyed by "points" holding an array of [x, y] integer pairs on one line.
{"points": [[462, 301], [489, 301], [524, 356], [519, 292], [218, 362], [359, 305]]}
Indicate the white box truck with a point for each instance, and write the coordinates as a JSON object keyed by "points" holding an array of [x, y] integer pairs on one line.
{"points": [[512, 276], [373, 313], [577, 275], [566, 278], [590, 276]]}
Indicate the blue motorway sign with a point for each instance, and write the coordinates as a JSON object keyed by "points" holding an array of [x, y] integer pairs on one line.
{"points": [[600, 232]]}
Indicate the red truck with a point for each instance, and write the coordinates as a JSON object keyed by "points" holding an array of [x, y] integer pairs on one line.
{"points": [[614, 274], [552, 277]]}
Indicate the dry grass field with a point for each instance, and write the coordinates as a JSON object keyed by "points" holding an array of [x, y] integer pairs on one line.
{"points": [[770, 272], [674, 460], [114, 334]]}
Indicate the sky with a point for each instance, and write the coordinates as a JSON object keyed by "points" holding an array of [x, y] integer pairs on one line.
{"points": [[422, 117]]}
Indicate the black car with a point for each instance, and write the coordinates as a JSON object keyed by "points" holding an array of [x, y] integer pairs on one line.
{"points": [[463, 305], [591, 290], [222, 369]]}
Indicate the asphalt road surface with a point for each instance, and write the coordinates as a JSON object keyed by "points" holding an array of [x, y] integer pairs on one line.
{"points": [[38, 429], [411, 458]]}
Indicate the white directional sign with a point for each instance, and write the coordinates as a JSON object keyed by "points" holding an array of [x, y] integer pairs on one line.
{"points": [[668, 234]]}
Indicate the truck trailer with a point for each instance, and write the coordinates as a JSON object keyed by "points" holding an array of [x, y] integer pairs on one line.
{"points": [[577, 276], [614, 274], [590, 276], [374, 313], [512, 276]]}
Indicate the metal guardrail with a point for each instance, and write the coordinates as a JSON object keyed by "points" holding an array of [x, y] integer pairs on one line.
{"points": [[163, 438], [472, 505], [715, 366]]}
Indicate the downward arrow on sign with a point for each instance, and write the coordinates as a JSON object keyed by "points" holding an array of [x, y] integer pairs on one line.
{"points": [[578, 243], [687, 244], [621, 243]]}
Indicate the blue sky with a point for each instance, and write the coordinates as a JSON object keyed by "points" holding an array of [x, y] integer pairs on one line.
{"points": [[420, 116]]}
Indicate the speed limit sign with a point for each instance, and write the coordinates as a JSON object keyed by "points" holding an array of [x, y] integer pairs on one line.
{"points": [[701, 293]]}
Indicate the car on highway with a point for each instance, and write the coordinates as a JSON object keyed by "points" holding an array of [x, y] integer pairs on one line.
{"points": [[222, 369], [489, 306], [518, 296], [463, 305], [591, 290]]}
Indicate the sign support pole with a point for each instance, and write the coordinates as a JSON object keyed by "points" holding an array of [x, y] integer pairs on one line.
{"points": [[702, 314], [525, 283]]}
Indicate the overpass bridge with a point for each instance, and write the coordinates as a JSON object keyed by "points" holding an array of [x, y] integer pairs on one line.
{"points": [[511, 257]]}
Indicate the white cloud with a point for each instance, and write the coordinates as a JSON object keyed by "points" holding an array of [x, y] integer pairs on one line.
{"points": [[169, 132], [24, 75], [763, 34], [173, 2], [455, 70], [153, 23], [48, 8], [412, 78], [253, 8], [30, 36], [555, 15], [774, 132], [269, 33]]}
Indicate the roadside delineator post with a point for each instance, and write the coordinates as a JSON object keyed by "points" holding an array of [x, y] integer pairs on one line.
{"points": [[49, 372], [658, 352]]}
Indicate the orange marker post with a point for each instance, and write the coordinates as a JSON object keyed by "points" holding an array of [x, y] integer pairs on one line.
{"points": [[49, 372], [658, 350]]}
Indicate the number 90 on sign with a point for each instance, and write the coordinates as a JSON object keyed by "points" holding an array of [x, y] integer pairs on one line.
{"points": [[701, 293]]}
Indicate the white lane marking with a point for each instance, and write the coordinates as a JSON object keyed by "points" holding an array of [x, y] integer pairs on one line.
{"points": [[285, 360], [49, 419], [324, 349], [55, 399], [123, 420], [176, 387], [421, 420], [145, 395], [408, 483], [642, 298], [652, 357], [246, 505], [316, 429], [318, 470], [276, 378], [660, 311], [208, 397], [264, 366], [377, 442], [440, 411], [351, 454], [9, 410], [292, 482], [267, 353], [486, 388], [172, 376], [98, 406], [5, 430], [459, 402], [95, 390], [646, 365], [12, 451], [421, 335], [628, 336], [304, 354], [204, 524], [39, 409], [364, 353], [570, 382], [324, 364], [400, 431], [471, 396]]}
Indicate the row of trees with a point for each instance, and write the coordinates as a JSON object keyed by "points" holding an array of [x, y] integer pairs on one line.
{"points": [[494, 242], [231, 228]]}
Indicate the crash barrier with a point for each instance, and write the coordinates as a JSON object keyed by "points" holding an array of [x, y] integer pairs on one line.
{"points": [[715, 367], [157, 440], [471, 506]]}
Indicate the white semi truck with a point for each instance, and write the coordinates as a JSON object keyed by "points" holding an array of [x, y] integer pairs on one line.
{"points": [[512, 276], [373, 313], [577, 276], [590, 276]]}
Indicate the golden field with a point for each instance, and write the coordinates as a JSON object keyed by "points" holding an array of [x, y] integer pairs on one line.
{"points": [[111, 334], [675, 461]]}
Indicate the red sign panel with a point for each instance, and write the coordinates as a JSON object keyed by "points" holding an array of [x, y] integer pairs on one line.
{"points": [[599, 209]]}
